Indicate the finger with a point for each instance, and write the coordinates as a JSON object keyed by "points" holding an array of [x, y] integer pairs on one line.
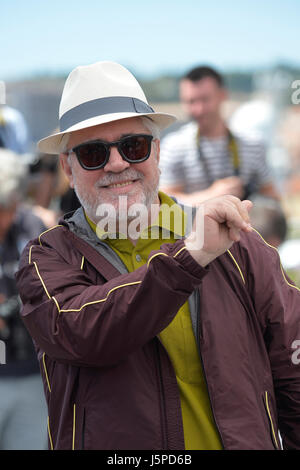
{"points": [[234, 234], [228, 209], [237, 216], [247, 204], [244, 208]]}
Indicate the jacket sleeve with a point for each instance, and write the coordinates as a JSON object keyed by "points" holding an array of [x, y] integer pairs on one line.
{"points": [[73, 320], [277, 303]]}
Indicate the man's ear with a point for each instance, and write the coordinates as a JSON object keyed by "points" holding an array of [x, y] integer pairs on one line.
{"points": [[64, 161]]}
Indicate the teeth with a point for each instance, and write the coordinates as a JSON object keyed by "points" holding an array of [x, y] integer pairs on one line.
{"points": [[119, 185]]}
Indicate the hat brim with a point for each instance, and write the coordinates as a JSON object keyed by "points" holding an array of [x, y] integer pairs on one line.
{"points": [[53, 143]]}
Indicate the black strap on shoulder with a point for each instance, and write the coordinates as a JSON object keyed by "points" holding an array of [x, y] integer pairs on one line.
{"points": [[233, 153], [105, 268]]}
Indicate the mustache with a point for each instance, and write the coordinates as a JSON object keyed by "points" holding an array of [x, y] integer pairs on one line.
{"points": [[115, 178]]}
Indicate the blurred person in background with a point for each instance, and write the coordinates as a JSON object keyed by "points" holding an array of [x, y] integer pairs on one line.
{"points": [[13, 130], [269, 219], [52, 194], [14, 136], [22, 404], [53, 190], [203, 159]]}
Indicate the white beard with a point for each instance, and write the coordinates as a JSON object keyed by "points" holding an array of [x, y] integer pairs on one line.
{"points": [[144, 194]]}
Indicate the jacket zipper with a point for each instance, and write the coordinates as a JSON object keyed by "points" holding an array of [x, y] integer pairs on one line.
{"points": [[202, 363], [162, 394], [266, 402]]}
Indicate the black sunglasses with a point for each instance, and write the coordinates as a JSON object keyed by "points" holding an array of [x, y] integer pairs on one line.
{"points": [[95, 154]]}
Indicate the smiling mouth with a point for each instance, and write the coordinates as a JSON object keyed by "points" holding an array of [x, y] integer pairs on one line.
{"points": [[120, 185]]}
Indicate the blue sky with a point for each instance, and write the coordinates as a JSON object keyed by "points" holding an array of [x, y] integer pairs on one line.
{"points": [[150, 37]]}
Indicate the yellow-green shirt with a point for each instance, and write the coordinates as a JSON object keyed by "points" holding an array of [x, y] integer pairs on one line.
{"points": [[200, 432]]}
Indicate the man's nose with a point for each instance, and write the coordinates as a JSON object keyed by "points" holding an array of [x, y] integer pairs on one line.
{"points": [[115, 163]]}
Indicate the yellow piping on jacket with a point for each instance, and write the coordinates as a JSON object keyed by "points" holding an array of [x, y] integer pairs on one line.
{"points": [[282, 270], [270, 418], [237, 265], [46, 373]]}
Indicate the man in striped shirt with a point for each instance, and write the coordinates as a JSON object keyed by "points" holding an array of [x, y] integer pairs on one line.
{"points": [[203, 159]]}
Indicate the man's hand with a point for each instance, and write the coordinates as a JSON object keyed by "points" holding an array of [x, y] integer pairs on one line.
{"points": [[232, 185], [223, 219]]}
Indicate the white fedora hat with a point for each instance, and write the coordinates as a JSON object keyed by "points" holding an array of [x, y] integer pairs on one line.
{"points": [[96, 94]]}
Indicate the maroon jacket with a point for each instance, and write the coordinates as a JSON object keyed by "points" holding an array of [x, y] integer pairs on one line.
{"points": [[108, 380]]}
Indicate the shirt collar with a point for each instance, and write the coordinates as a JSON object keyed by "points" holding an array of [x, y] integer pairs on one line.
{"points": [[171, 217]]}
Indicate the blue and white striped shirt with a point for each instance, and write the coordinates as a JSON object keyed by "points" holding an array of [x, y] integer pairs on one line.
{"points": [[181, 165]]}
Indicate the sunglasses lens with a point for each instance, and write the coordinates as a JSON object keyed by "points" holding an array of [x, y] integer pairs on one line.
{"points": [[91, 155], [94, 155], [136, 147]]}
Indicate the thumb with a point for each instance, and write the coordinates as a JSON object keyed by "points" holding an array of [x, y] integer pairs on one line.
{"points": [[247, 204]]}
